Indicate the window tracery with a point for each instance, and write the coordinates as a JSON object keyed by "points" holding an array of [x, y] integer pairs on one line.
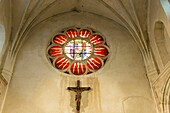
{"points": [[78, 51]]}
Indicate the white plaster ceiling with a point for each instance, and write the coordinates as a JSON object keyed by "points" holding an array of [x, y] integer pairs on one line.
{"points": [[131, 14]]}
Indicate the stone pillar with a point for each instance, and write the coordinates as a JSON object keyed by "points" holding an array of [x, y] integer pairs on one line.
{"points": [[3, 89], [5, 77], [162, 89]]}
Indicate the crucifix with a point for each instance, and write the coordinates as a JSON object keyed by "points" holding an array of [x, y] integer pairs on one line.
{"points": [[78, 91]]}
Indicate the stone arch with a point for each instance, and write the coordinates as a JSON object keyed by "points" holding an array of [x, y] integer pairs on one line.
{"points": [[162, 40], [166, 97], [2, 35]]}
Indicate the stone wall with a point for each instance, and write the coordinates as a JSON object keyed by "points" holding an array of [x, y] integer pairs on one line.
{"points": [[36, 87], [3, 86], [160, 80]]}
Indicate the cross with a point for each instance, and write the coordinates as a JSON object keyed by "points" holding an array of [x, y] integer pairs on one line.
{"points": [[78, 91]]}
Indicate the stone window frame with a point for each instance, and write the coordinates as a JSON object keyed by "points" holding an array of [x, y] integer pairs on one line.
{"points": [[160, 44], [103, 60]]}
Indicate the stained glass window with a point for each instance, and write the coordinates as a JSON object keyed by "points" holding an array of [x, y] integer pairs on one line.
{"points": [[78, 51]]}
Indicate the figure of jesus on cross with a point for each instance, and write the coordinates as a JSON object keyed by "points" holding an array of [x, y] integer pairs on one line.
{"points": [[78, 91]]}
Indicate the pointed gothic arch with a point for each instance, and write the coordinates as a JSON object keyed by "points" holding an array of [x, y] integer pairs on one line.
{"points": [[162, 40]]}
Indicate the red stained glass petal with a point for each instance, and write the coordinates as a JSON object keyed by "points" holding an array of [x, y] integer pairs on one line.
{"points": [[100, 51], [55, 51], [94, 64], [72, 33], [60, 39], [78, 68], [85, 33], [62, 63], [96, 39]]}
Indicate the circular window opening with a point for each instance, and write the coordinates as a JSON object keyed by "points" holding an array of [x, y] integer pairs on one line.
{"points": [[78, 51]]}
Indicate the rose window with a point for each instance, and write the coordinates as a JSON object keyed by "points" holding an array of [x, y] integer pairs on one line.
{"points": [[78, 51]]}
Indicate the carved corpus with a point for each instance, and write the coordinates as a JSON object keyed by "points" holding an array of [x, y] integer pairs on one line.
{"points": [[78, 90]]}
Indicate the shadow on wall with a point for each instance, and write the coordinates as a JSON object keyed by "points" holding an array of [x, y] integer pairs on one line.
{"points": [[166, 7]]}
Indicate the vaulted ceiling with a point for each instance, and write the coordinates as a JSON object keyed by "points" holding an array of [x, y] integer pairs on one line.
{"points": [[131, 14]]}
